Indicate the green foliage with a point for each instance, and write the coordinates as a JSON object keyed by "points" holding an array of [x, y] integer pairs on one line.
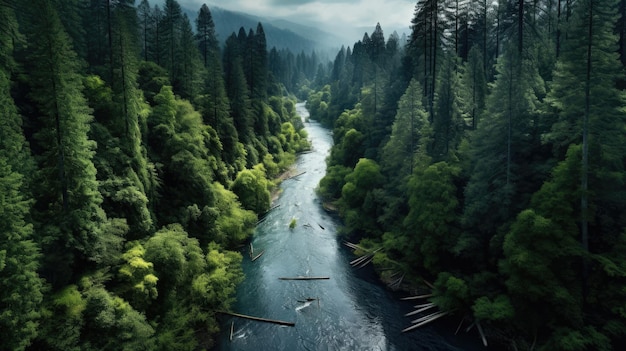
{"points": [[292, 223], [252, 189], [451, 292], [433, 211], [139, 283], [63, 319], [498, 309], [21, 289], [215, 288]]}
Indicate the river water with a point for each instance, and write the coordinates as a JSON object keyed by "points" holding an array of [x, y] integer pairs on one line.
{"points": [[354, 311]]}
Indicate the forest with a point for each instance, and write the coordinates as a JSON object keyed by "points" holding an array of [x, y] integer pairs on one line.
{"points": [[486, 156], [136, 153]]}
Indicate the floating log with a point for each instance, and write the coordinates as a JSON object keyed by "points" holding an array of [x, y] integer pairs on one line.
{"points": [[431, 318], [430, 285], [308, 299], [303, 278], [417, 297], [232, 328], [257, 256], [259, 319], [297, 175], [321, 226], [251, 249]]}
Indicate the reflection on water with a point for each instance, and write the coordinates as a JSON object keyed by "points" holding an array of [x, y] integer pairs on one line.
{"points": [[350, 311]]}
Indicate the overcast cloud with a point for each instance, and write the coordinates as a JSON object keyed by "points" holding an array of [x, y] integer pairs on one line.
{"points": [[332, 15]]}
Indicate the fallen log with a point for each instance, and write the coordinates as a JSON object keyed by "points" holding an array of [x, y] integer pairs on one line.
{"points": [[232, 328], [417, 297], [258, 319], [257, 256], [422, 309], [304, 278], [424, 305], [360, 259], [421, 319], [321, 226], [353, 246], [459, 327], [430, 285], [432, 318], [366, 262], [297, 175], [482, 334]]}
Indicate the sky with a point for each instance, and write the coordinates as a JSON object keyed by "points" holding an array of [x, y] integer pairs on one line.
{"points": [[332, 15]]}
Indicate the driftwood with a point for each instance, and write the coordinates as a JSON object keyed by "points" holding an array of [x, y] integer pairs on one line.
{"points": [[482, 334], [396, 283], [417, 297], [257, 256], [259, 319], [295, 176], [364, 260], [308, 299], [428, 319], [421, 309], [321, 226], [232, 328], [459, 327], [304, 278], [430, 285], [421, 319]]}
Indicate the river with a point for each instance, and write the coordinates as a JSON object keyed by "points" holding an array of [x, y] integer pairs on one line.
{"points": [[354, 311]]}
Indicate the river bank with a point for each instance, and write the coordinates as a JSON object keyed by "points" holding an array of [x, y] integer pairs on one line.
{"points": [[352, 310]]}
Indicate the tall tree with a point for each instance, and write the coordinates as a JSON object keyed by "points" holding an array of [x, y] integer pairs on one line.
{"points": [[20, 286], [68, 201], [205, 34], [588, 115]]}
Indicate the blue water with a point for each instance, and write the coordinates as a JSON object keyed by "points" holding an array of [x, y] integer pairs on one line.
{"points": [[354, 311]]}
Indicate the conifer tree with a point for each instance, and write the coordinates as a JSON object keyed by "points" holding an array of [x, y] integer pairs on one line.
{"points": [[68, 202], [21, 289]]}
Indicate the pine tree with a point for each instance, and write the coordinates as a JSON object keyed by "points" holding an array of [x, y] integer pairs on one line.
{"points": [[502, 148], [68, 201], [20, 286], [588, 116], [206, 37], [145, 21]]}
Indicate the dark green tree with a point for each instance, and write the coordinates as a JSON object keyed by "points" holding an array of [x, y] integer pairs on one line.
{"points": [[68, 204]]}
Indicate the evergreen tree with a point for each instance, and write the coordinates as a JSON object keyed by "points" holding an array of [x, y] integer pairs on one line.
{"points": [[68, 202], [145, 22], [21, 289], [448, 115], [502, 149], [206, 37]]}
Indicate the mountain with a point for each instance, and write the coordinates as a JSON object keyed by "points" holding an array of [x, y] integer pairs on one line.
{"points": [[279, 33]]}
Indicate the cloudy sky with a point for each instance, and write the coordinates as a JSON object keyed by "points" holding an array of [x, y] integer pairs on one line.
{"points": [[332, 14]]}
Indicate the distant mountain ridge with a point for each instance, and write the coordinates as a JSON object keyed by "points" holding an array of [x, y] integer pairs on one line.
{"points": [[280, 33]]}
